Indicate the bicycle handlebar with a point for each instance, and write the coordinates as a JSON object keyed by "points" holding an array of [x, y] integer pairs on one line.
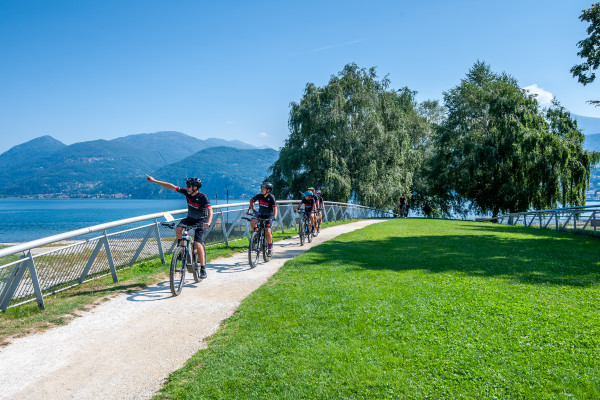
{"points": [[186, 227]]}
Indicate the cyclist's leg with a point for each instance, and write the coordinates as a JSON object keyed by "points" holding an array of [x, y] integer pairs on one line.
{"points": [[269, 235], [181, 226], [199, 247]]}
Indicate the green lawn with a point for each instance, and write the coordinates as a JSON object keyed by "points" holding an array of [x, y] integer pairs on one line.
{"points": [[414, 309]]}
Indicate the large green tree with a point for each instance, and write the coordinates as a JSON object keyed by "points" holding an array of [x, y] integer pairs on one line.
{"points": [[351, 138], [589, 48], [499, 152]]}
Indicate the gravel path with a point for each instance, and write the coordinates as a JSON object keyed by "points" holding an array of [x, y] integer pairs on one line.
{"points": [[125, 347]]}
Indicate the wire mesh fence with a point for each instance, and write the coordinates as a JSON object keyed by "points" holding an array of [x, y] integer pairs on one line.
{"points": [[580, 220], [29, 271]]}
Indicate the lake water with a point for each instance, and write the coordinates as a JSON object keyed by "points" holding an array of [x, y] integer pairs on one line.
{"points": [[23, 220]]}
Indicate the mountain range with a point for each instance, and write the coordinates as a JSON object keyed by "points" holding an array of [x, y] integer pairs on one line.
{"points": [[45, 167]]}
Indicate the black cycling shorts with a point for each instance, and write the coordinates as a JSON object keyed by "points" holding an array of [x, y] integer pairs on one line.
{"points": [[198, 232], [264, 216]]}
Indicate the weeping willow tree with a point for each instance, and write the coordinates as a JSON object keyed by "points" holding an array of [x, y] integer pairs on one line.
{"points": [[498, 152], [352, 139]]}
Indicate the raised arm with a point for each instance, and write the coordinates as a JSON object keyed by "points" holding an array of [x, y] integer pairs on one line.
{"points": [[166, 185], [251, 207]]}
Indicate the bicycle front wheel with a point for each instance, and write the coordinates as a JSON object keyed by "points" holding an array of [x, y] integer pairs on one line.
{"points": [[254, 250], [177, 275]]}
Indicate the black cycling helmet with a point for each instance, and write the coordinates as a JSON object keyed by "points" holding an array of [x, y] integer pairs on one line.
{"points": [[194, 182], [267, 185]]}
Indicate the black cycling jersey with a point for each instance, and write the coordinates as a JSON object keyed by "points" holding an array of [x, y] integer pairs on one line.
{"points": [[320, 203], [197, 204], [309, 204], [266, 204]]}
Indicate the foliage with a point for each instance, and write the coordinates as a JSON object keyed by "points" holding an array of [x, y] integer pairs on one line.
{"points": [[590, 48], [497, 151], [414, 309], [351, 138]]}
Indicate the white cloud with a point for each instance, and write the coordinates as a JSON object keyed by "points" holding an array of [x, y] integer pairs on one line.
{"points": [[263, 134], [544, 97], [229, 122]]}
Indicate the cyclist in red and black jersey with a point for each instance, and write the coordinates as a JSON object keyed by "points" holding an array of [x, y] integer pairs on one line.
{"points": [[199, 214], [309, 207], [320, 206], [267, 209]]}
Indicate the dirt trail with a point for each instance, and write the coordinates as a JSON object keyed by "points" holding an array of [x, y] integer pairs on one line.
{"points": [[125, 347]]}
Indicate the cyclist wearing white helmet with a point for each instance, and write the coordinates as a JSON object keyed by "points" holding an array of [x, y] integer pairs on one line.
{"points": [[267, 209], [199, 214]]}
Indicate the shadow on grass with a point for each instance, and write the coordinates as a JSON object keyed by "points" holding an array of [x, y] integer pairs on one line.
{"points": [[110, 289], [527, 255]]}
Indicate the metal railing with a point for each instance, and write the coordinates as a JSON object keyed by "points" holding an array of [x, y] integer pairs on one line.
{"points": [[581, 220], [31, 270]]}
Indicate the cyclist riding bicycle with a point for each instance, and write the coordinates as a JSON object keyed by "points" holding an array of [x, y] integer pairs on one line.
{"points": [[320, 206], [309, 207], [199, 214], [267, 209]]}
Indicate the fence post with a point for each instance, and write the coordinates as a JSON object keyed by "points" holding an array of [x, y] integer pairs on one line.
{"points": [[224, 230], [12, 283], [141, 246], [36, 283], [159, 242], [111, 263], [90, 262]]}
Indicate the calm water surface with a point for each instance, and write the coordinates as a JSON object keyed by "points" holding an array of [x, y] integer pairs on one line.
{"points": [[23, 220]]}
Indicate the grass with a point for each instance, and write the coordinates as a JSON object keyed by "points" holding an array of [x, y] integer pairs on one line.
{"points": [[414, 309], [66, 305]]}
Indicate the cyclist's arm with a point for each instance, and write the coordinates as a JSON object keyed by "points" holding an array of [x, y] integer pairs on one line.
{"points": [[209, 217], [275, 212], [166, 185], [251, 208]]}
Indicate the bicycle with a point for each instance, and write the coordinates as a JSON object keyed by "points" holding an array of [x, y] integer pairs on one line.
{"points": [[258, 242], [184, 258], [306, 229], [319, 222]]}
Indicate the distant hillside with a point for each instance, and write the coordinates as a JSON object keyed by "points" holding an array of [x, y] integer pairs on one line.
{"points": [[588, 125], [77, 169], [175, 146], [30, 151], [592, 142], [241, 170]]}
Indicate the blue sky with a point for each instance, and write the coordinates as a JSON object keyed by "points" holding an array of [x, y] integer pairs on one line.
{"points": [[83, 70]]}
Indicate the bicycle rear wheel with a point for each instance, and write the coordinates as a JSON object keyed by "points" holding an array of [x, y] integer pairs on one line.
{"points": [[309, 232], [265, 248], [301, 232], [197, 270], [177, 274], [253, 250]]}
